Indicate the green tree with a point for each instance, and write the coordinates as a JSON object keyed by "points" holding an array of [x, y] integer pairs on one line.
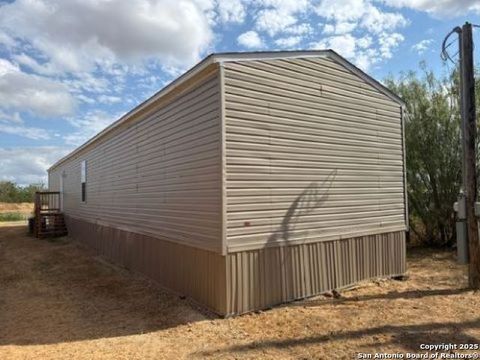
{"points": [[13, 193], [432, 134], [8, 191]]}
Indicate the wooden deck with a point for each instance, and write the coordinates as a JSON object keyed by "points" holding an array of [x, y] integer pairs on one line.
{"points": [[49, 220]]}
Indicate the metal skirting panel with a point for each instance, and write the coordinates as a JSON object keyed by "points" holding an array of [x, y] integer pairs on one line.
{"points": [[197, 273], [262, 278], [250, 280]]}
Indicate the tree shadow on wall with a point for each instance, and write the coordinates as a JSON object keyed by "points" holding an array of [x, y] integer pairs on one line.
{"points": [[311, 198]]}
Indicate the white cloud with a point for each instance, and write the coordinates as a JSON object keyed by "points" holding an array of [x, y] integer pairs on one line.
{"points": [[378, 22], [360, 30], [32, 64], [329, 29], [422, 46], [6, 67], [341, 10], [388, 42], [114, 51], [28, 165], [438, 8], [346, 14], [288, 42], [278, 16], [20, 91], [272, 22], [345, 27], [88, 82], [345, 45], [364, 42], [76, 35], [13, 118], [85, 99], [250, 39], [361, 51], [109, 99], [339, 28], [89, 125], [231, 11], [25, 131], [365, 58], [6, 40], [299, 29], [290, 6]]}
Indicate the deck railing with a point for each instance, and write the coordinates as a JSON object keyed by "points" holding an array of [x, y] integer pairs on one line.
{"points": [[49, 219], [47, 202]]}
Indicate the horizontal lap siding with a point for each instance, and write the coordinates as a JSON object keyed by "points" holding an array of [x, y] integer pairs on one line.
{"points": [[313, 153], [159, 176]]}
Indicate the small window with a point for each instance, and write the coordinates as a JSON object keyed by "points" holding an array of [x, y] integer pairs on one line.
{"points": [[84, 180]]}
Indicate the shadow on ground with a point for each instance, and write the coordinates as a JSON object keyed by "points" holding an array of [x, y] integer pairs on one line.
{"points": [[393, 295], [408, 337], [55, 291]]}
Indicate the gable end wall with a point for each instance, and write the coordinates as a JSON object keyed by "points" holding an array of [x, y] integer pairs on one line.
{"points": [[313, 153]]}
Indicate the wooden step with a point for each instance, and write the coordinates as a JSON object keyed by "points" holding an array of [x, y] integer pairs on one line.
{"points": [[50, 225]]}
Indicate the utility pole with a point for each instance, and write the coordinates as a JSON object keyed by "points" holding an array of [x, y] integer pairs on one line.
{"points": [[469, 126]]}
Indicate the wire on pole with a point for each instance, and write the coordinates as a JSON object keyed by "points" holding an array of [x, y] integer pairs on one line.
{"points": [[444, 54]]}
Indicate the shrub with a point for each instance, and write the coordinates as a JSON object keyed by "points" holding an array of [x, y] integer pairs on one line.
{"points": [[12, 216], [13, 193]]}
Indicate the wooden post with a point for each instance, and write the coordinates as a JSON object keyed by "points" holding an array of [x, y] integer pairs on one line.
{"points": [[37, 214], [470, 128]]}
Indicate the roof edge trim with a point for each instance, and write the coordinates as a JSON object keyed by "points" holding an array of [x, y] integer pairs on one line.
{"points": [[158, 95], [375, 83], [231, 57]]}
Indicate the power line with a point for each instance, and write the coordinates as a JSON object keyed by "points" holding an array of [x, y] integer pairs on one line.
{"points": [[444, 54]]}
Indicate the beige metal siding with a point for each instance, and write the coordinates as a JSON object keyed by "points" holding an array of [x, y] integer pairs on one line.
{"points": [[250, 184], [54, 181], [158, 176], [261, 278], [314, 153]]}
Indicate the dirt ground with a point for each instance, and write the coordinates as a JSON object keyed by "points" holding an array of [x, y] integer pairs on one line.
{"points": [[24, 208], [57, 301]]}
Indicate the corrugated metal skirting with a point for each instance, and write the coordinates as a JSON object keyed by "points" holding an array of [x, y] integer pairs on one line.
{"points": [[262, 278], [248, 280], [197, 273]]}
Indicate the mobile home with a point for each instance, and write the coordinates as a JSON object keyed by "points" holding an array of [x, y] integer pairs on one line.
{"points": [[251, 180]]}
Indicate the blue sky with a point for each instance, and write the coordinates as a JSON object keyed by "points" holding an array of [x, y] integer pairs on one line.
{"points": [[68, 68]]}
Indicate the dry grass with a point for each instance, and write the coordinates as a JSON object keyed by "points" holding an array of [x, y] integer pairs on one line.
{"points": [[24, 208], [58, 301]]}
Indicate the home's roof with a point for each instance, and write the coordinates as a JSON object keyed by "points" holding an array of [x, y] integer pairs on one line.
{"points": [[228, 57]]}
